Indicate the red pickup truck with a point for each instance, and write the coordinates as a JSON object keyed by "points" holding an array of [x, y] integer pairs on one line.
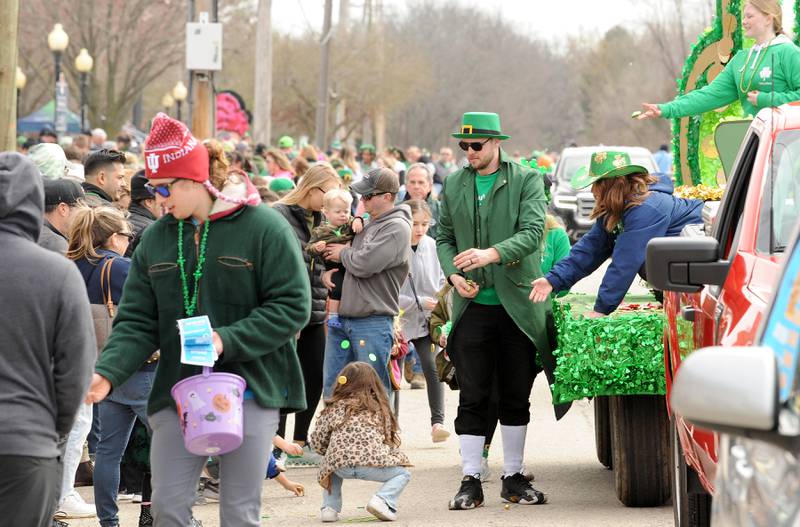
{"points": [[718, 280]]}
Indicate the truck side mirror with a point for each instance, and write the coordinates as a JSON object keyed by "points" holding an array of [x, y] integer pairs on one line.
{"points": [[729, 389], [684, 264]]}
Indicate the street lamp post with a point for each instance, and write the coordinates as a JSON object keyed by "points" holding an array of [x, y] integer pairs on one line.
{"points": [[57, 41], [84, 63], [21, 80], [179, 93], [167, 101]]}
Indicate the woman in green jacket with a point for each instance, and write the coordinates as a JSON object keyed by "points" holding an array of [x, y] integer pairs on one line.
{"points": [[766, 75], [216, 252]]}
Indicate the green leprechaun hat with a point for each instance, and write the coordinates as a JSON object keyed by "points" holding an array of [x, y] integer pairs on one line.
{"points": [[476, 125], [605, 164]]}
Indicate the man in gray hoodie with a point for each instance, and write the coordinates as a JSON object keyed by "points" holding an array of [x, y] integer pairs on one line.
{"points": [[376, 266], [48, 349]]}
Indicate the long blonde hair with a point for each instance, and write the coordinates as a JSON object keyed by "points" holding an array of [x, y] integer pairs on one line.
{"points": [[218, 165], [316, 177], [770, 8], [90, 230], [616, 195]]}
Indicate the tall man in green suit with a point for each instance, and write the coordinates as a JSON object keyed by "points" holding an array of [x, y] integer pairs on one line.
{"points": [[491, 223]]}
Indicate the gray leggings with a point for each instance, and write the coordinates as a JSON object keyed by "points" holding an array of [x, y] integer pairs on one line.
{"points": [[176, 472], [435, 388]]}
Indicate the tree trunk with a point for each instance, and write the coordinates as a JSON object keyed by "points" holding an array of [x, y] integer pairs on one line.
{"points": [[262, 116], [9, 12]]}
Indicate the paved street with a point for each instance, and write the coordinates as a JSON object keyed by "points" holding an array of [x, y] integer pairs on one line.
{"points": [[562, 455]]}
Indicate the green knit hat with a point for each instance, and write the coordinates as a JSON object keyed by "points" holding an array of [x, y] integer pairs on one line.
{"points": [[279, 184], [285, 142], [605, 164], [367, 146], [475, 125]]}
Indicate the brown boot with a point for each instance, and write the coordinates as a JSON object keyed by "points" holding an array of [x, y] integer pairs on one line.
{"points": [[408, 369], [84, 476]]}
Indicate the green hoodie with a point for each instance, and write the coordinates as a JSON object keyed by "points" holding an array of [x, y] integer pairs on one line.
{"points": [[254, 288], [775, 66]]}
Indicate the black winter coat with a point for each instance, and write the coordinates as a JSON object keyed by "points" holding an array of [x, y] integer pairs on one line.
{"points": [[296, 216], [140, 218]]}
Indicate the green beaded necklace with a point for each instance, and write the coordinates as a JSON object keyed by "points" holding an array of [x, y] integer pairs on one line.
{"points": [[191, 306]]}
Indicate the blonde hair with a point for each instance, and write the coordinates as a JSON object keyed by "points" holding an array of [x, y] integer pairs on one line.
{"points": [[418, 205], [316, 177], [550, 222], [337, 194], [90, 229], [770, 8]]}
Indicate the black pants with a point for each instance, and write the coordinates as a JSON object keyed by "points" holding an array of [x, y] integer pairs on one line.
{"points": [[486, 342], [29, 489], [311, 352], [337, 278]]}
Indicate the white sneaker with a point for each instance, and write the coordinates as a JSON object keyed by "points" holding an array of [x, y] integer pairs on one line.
{"points": [[125, 496], [486, 473], [137, 498], [328, 515], [439, 433], [378, 508], [73, 506]]}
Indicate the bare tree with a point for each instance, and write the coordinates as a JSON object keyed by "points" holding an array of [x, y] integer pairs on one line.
{"points": [[133, 42]]}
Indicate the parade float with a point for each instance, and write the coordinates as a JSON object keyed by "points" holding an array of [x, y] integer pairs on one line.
{"points": [[619, 361]]}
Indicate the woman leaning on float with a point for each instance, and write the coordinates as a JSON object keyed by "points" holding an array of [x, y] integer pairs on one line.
{"points": [[631, 208]]}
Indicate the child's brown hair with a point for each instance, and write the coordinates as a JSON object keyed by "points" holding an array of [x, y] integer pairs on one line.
{"points": [[362, 391]]}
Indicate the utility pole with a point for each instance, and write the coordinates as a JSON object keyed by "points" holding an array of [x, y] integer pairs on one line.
{"points": [[342, 29], [379, 117], [322, 96], [203, 107], [9, 15], [262, 120]]}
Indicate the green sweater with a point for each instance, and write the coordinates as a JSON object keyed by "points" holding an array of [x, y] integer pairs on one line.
{"points": [[777, 65], [254, 289]]}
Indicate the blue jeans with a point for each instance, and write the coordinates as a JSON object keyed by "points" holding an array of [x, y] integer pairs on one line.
{"points": [[394, 480], [416, 367], [367, 339], [117, 413]]}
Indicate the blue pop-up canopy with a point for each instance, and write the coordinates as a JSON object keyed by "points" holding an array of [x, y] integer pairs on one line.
{"points": [[43, 118]]}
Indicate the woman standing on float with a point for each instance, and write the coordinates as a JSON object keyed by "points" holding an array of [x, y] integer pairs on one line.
{"points": [[216, 252], [767, 74]]}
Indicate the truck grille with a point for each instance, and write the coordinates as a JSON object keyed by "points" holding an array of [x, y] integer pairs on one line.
{"points": [[585, 206]]}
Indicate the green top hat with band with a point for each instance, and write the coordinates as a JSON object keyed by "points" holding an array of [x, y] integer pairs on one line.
{"points": [[604, 165], [476, 125]]}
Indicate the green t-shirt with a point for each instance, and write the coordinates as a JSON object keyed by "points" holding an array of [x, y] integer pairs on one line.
{"points": [[483, 186]]}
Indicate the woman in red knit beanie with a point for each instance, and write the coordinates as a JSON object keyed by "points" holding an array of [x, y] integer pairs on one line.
{"points": [[216, 252]]}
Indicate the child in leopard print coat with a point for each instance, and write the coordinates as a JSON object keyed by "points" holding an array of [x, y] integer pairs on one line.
{"points": [[357, 435]]}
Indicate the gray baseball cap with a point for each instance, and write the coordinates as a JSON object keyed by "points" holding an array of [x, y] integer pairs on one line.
{"points": [[378, 181]]}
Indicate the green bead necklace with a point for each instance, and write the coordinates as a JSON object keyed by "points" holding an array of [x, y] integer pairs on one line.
{"points": [[191, 305]]}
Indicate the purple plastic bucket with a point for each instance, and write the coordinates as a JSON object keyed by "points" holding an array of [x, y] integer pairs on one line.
{"points": [[210, 412]]}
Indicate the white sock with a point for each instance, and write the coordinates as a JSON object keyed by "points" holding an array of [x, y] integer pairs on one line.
{"points": [[513, 448], [471, 454]]}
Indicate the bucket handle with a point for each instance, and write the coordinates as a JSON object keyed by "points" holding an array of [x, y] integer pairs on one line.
{"points": [[207, 371]]}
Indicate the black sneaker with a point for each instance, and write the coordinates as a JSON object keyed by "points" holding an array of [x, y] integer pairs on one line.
{"points": [[469, 496], [517, 489], [145, 518]]}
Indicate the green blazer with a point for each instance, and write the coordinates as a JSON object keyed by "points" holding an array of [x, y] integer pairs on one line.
{"points": [[513, 223]]}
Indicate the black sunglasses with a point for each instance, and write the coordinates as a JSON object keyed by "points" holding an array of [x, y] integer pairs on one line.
{"points": [[476, 146], [367, 197], [161, 190], [128, 235]]}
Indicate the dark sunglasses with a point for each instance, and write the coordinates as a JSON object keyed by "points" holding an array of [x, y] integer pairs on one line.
{"points": [[476, 146], [128, 235], [161, 190], [367, 197]]}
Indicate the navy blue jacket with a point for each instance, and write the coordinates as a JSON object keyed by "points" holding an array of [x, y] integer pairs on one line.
{"points": [[661, 214], [90, 270]]}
